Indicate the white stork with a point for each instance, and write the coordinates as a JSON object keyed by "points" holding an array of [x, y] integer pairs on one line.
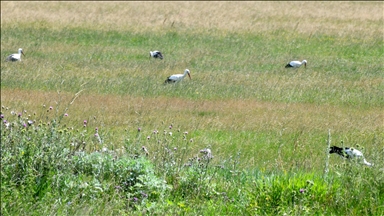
{"points": [[178, 77], [16, 56], [156, 54], [349, 153], [296, 64]]}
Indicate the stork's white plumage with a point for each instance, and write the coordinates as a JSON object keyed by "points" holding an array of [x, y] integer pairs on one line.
{"points": [[178, 77], [349, 153], [207, 153], [296, 64], [16, 56], [156, 54]]}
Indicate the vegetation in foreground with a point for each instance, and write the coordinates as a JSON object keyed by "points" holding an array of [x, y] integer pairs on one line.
{"points": [[44, 162]]}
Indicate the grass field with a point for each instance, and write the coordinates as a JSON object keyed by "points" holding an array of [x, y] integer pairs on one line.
{"points": [[268, 123]]}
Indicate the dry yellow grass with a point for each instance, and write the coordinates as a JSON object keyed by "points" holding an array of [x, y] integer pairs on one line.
{"points": [[342, 18], [129, 112]]}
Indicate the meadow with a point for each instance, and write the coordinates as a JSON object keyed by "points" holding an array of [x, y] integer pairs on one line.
{"points": [[95, 98]]}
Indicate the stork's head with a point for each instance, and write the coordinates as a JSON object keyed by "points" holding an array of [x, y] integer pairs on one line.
{"points": [[188, 72], [21, 51], [305, 63]]}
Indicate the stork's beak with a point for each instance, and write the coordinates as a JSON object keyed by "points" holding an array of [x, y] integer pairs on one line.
{"points": [[22, 53], [189, 76], [305, 65]]}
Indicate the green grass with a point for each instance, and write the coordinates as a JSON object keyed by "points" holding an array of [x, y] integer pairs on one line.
{"points": [[341, 71], [267, 126]]}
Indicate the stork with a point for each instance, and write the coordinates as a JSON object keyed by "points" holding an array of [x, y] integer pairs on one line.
{"points": [[16, 56], [296, 64], [349, 153], [178, 77], [207, 153], [156, 54]]}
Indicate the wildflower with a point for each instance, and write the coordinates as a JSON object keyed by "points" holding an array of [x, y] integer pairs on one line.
{"points": [[7, 124], [135, 199], [30, 122], [191, 140], [148, 137], [1, 116], [144, 194], [50, 108], [155, 132], [85, 122], [97, 129], [139, 129], [302, 190], [104, 149], [96, 134], [66, 114], [19, 115], [24, 125], [25, 111], [145, 150], [175, 148], [13, 112], [170, 133], [170, 127], [185, 132]]}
